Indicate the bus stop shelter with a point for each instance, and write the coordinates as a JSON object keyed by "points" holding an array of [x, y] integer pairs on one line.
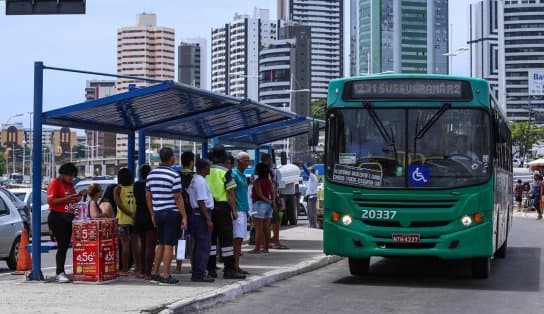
{"points": [[168, 110]]}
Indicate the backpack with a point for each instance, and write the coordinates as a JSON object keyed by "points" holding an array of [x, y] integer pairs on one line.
{"points": [[186, 178]]}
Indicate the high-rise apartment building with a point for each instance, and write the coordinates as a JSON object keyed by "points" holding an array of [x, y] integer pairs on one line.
{"points": [[326, 19], [519, 48], [235, 53], [402, 36], [484, 43], [522, 36], [192, 62], [145, 50]]}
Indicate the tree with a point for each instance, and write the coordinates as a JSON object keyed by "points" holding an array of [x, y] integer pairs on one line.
{"points": [[317, 109], [524, 136], [2, 163]]}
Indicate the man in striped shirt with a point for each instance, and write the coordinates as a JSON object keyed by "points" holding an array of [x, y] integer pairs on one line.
{"points": [[165, 203]]}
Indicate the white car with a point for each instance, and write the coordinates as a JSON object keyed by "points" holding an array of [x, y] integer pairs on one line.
{"points": [[11, 226], [25, 195]]}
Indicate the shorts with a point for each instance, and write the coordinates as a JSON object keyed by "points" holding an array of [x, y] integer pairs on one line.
{"points": [[518, 198], [126, 230], [240, 226], [262, 210], [168, 227]]}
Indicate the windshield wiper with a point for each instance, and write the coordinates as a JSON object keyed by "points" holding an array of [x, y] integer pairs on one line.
{"points": [[378, 123], [419, 134], [389, 139], [432, 121]]}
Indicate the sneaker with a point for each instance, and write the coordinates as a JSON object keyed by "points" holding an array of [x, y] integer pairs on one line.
{"points": [[203, 279], [62, 278], [243, 272], [233, 275], [168, 281], [212, 274]]}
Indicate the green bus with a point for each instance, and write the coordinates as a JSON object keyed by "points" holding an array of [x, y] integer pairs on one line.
{"points": [[416, 165]]}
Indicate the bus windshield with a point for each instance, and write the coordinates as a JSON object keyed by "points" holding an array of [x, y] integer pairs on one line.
{"points": [[439, 147]]}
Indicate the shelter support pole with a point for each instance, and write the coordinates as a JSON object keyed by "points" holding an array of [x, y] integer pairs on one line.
{"points": [[36, 273], [257, 157], [131, 145], [141, 148], [205, 150]]}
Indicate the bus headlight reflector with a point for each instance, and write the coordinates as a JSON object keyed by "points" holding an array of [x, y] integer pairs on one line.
{"points": [[466, 221], [335, 217], [478, 218], [346, 220]]}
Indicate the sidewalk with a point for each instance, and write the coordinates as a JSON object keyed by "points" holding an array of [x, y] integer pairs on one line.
{"points": [[525, 213], [132, 295]]}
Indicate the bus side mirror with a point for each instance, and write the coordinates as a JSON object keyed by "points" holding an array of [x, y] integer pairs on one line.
{"points": [[502, 133], [313, 133]]}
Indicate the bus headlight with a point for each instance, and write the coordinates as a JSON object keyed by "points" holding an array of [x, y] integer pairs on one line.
{"points": [[346, 220], [466, 221]]}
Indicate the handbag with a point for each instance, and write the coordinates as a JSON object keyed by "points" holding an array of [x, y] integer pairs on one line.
{"points": [[180, 251]]}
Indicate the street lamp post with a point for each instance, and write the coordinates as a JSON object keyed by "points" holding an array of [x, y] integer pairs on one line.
{"points": [[451, 54]]}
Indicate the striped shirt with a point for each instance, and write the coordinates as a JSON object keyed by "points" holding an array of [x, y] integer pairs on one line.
{"points": [[163, 182]]}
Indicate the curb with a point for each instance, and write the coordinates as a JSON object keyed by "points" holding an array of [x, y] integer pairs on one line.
{"points": [[232, 291]]}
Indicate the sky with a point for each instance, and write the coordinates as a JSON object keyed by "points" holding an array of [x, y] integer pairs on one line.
{"points": [[88, 42]]}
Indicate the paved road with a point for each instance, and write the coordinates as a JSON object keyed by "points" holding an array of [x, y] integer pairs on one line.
{"points": [[414, 285]]}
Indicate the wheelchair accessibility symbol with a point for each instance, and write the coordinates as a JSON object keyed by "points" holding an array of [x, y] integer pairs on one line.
{"points": [[418, 175]]}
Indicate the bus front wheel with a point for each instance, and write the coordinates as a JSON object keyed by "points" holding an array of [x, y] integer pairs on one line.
{"points": [[359, 266], [481, 266]]}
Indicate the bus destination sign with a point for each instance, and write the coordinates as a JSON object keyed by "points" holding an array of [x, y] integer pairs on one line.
{"points": [[407, 89]]}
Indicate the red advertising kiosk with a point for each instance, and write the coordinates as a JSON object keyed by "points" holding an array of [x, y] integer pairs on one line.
{"points": [[95, 258]]}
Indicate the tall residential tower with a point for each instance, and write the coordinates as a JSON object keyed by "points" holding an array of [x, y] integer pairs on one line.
{"points": [[235, 53], [326, 20], [145, 50], [402, 36]]}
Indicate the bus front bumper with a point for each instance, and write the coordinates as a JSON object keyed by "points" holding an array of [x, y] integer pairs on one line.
{"points": [[470, 242]]}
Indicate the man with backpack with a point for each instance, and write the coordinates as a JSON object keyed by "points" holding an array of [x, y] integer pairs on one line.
{"points": [[186, 174]]}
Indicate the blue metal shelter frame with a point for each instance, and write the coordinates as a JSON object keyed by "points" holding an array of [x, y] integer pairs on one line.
{"points": [[166, 109]]}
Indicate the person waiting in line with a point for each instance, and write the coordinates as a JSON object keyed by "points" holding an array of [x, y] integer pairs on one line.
{"points": [[186, 174], [143, 226], [222, 186], [518, 194], [264, 203], [126, 212], [202, 203], [62, 200], [167, 210], [311, 196], [242, 205], [107, 202], [536, 192], [277, 215], [94, 191]]}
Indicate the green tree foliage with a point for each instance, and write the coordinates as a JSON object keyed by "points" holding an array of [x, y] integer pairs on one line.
{"points": [[2, 163], [317, 109], [524, 136]]}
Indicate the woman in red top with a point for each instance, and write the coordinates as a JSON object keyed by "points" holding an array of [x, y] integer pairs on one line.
{"points": [[263, 198], [62, 200]]}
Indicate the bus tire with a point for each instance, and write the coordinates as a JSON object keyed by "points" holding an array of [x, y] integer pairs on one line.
{"points": [[501, 252], [359, 266], [481, 267]]}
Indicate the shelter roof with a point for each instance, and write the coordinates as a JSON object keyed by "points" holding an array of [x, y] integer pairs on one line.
{"points": [[180, 111]]}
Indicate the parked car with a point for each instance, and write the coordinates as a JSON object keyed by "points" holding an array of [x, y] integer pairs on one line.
{"points": [[11, 227], [25, 195]]}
